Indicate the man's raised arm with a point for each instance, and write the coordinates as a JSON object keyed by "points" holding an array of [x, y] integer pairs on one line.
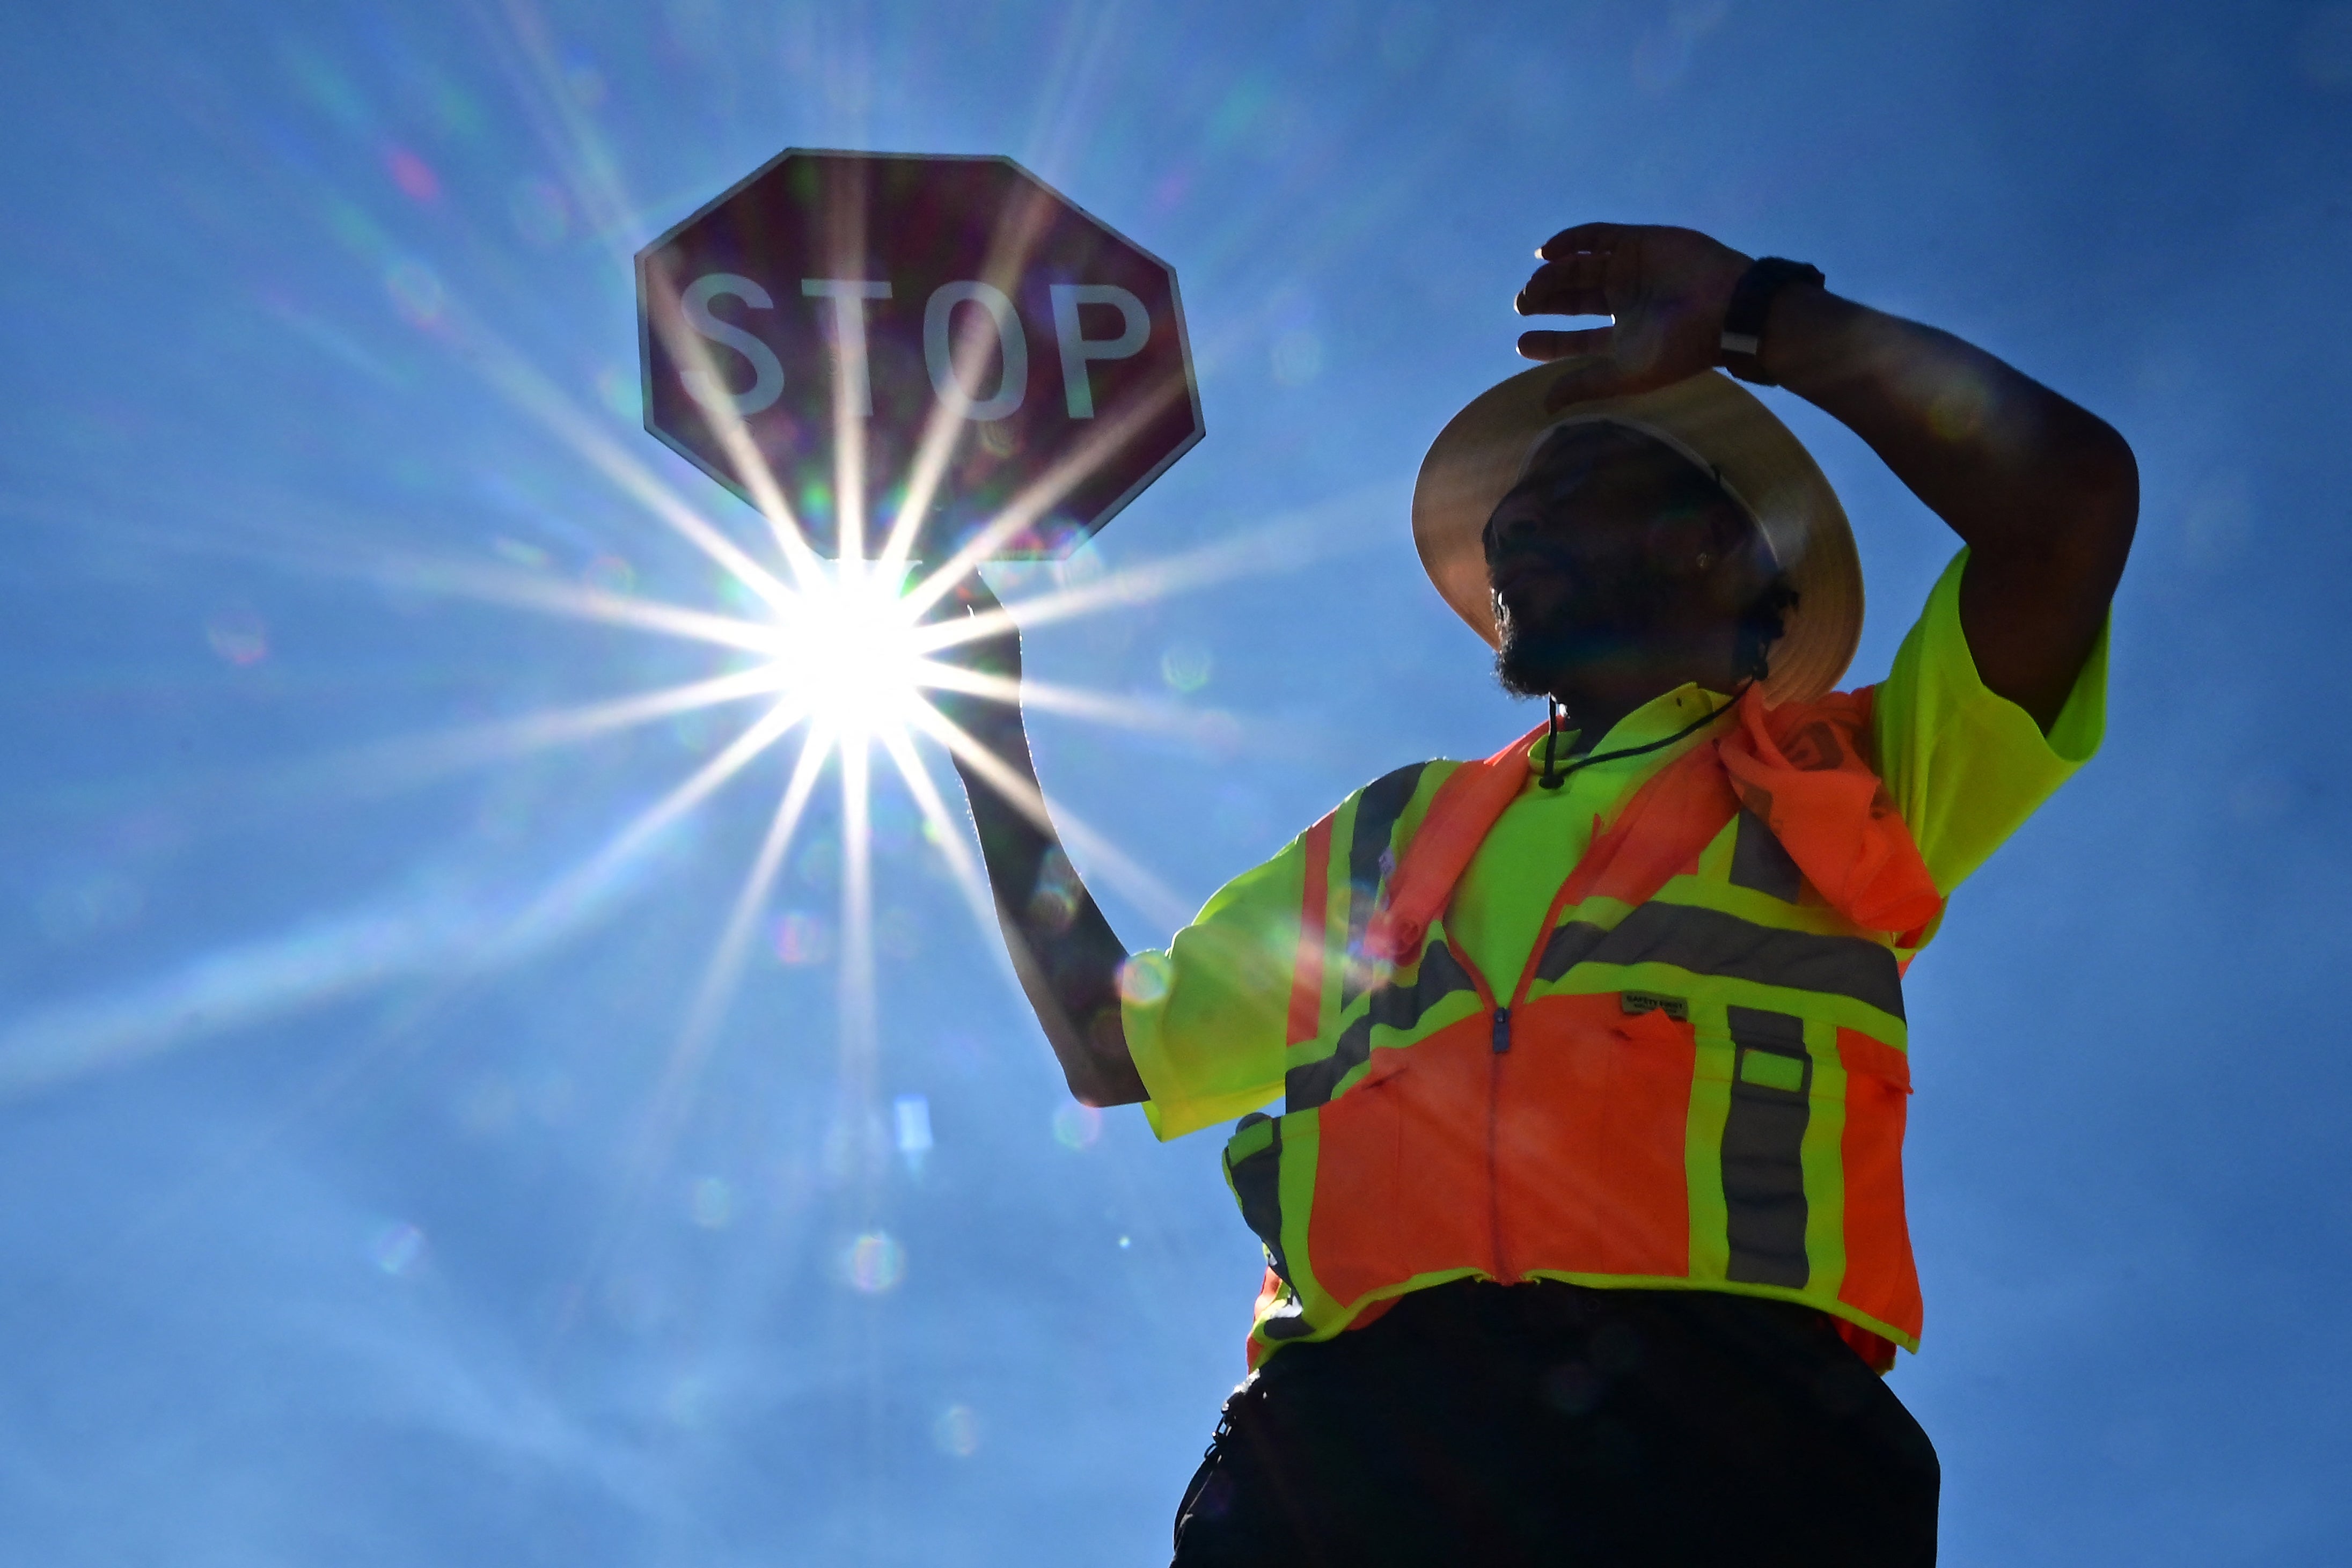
{"points": [[2045, 493], [1063, 951]]}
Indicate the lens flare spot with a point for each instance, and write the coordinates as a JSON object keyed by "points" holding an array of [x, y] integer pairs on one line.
{"points": [[912, 1113], [1185, 667], [875, 1263], [802, 938], [956, 1432], [1054, 907], [609, 573], [514, 550], [487, 1107], [415, 290], [1958, 411], [712, 1204], [413, 174], [1143, 979], [239, 637], [618, 390], [397, 1249], [1077, 1126]]}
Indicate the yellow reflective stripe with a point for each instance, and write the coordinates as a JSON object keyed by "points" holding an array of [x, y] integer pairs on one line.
{"points": [[1370, 858], [1326, 1325], [1288, 1324], [1824, 1162], [1710, 1107], [1412, 1008], [1302, 1139], [1372, 819], [1786, 1074], [1252, 1161], [1432, 777]]}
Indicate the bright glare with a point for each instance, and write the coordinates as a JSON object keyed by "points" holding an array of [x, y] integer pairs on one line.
{"points": [[847, 654]]}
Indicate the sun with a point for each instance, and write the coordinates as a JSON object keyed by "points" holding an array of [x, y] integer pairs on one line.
{"points": [[848, 654]]}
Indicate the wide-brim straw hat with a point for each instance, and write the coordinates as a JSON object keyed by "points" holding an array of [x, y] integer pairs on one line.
{"points": [[1484, 449]]}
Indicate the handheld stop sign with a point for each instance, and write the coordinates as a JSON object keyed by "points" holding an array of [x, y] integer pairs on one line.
{"points": [[940, 332]]}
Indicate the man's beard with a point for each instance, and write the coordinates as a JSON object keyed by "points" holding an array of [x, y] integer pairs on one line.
{"points": [[1527, 663], [1535, 661]]}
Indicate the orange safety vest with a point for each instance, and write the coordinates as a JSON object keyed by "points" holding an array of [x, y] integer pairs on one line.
{"points": [[1698, 1081]]}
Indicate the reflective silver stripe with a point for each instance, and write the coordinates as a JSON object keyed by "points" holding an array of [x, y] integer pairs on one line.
{"points": [[1256, 1180], [1441, 975], [1758, 861], [1763, 1143], [1377, 810], [1288, 1320], [1708, 941]]}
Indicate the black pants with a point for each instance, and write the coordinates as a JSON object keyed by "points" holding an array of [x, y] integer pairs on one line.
{"points": [[1547, 1424]]}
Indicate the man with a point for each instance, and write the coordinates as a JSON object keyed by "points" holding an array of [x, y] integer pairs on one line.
{"points": [[1584, 1219]]}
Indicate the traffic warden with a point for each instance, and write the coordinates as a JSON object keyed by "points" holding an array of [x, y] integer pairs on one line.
{"points": [[1583, 1216]]}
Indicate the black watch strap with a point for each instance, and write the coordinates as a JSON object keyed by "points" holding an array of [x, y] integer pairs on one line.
{"points": [[1752, 301]]}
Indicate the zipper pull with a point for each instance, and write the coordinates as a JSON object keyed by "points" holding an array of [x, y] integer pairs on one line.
{"points": [[1502, 1030]]}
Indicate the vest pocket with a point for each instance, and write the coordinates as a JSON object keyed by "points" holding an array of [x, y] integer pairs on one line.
{"points": [[1592, 1112], [1401, 1177], [1880, 1277]]}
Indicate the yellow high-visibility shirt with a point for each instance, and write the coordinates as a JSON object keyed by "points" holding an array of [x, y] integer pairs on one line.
{"points": [[1207, 1018]]}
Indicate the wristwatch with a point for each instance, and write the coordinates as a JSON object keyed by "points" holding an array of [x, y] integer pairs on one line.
{"points": [[1752, 301]]}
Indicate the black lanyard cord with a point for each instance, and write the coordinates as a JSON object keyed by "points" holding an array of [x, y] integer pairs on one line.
{"points": [[1551, 780]]}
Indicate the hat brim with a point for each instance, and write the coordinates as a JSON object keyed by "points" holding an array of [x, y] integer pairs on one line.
{"points": [[1482, 450]]}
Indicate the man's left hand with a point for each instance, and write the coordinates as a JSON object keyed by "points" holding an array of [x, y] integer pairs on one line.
{"points": [[1666, 288]]}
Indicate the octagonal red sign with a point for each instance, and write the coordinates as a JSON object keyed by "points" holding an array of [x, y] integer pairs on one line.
{"points": [[868, 333]]}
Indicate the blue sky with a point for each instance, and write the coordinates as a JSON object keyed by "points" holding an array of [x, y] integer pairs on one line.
{"points": [[332, 1233]]}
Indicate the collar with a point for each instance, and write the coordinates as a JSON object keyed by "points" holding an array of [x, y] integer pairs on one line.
{"points": [[1659, 717]]}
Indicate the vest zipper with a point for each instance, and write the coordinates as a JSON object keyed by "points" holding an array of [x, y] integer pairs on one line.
{"points": [[1504, 1272], [1494, 1126], [1502, 1044]]}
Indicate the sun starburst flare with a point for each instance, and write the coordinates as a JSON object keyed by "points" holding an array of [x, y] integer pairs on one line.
{"points": [[857, 662]]}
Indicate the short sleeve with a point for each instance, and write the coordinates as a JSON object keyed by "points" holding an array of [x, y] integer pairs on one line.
{"points": [[1966, 766], [1208, 1019]]}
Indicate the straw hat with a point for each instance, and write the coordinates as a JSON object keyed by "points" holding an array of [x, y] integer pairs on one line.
{"points": [[1710, 418]]}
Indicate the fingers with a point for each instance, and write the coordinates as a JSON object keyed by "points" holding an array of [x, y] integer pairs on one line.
{"points": [[974, 592], [969, 598], [1576, 286], [1584, 237], [1548, 346]]}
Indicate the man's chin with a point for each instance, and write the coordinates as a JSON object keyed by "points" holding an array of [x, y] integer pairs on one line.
{"points": [[1534, 666], [1537, 664]]}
